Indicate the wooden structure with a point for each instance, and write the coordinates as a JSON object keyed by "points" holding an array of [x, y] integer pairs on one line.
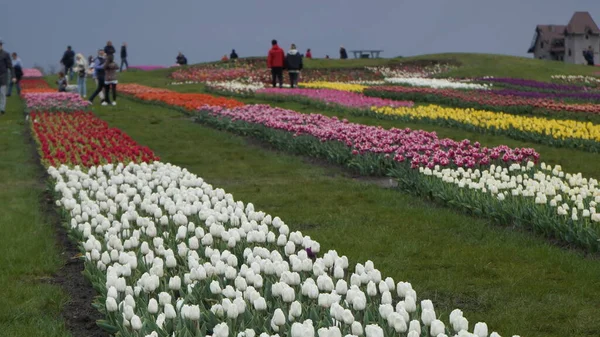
{"points": [[366, 53]]}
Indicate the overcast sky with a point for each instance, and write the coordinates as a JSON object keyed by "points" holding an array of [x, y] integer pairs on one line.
{"points": [[204, 30]]}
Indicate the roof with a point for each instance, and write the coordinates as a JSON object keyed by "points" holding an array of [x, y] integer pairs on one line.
{"points": [[582, 23], [550, 32], [547, 33]]}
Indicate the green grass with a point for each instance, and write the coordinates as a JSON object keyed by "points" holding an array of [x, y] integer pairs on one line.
{"points": [[29, 305], [476, 65], [514, 281]]}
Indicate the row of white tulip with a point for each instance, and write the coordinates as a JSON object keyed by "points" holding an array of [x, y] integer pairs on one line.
{"points": [[388, 72], [184, 82], [570, 199], [576, 78], [436, 83], [175, 255], [236, 86]]}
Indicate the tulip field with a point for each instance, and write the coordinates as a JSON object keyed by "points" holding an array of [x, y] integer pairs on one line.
{"points": [[222, 207]]}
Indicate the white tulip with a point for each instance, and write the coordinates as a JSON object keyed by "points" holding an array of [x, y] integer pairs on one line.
{"points": [[373, 330], [152, 306], [136, 323], [260, 304], [437, 328], [111, 304], [481, 329]]}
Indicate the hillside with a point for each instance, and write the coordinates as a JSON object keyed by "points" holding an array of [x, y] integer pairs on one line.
{"points": [[468, 65]]}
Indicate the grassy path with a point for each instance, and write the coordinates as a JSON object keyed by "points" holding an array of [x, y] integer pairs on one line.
{"points": [[29, 305], [517, 283]]}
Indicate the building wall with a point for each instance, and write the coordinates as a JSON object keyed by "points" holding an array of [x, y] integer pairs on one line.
{"points": [[577, 44], [542, 53]]}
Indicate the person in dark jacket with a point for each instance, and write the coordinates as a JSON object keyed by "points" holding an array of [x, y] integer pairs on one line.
{"points": [[5, 67], [293, 63], [18, 74], [343, 53], [276, 62], [233, 55], [109, 49], [99, 75], [68, 60], [589, 56], [181, 59], [110, 80], [124, 57]]}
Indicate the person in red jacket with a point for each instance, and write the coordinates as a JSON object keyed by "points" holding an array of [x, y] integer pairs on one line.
{"points": [[308, 54], [275, 62]]}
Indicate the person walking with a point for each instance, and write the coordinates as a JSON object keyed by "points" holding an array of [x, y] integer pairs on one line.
{"points": [[99, 75], [110, 80], [308, 54], [68, 60], [275, 62], [343, 53], [233, 56], [294, 64], [589, 56], [5, 67], [18, 74], [81, 66], [181, 59], [124, 57], [109, 49]]}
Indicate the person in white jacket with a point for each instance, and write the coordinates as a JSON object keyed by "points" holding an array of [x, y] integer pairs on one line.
{"points": [[81, 67]]}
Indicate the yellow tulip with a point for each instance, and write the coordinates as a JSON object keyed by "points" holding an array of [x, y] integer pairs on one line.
{"points": [[334, 85], [559, 129]]}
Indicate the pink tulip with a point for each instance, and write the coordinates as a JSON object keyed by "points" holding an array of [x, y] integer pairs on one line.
{"points": [[343, 98], [420, 147]]}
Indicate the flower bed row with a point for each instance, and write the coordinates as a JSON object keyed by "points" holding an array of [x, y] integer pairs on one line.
{"points": [[487, 100], [35, 85], [540, 198], [172, 255], [577, 79], [54, 101], [419, 148], [346, 99], [80, 138], [256, 71], [554, 132], [32, 73], [147, 67], [555, 95], [352, 87], [436, 83], [533, 84], [185, 100]]}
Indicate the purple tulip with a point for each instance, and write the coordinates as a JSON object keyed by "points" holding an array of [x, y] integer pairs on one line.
{"points": [[534, 84]]}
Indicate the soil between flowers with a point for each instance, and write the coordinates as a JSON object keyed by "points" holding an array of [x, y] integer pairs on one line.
{"points": [[78, 313]]}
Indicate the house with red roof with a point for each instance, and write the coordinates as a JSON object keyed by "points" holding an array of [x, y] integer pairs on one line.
{"points": [[567, 43]]}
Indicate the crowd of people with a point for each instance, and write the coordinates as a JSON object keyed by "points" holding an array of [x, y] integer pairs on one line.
{"points": [[103, 69]]}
